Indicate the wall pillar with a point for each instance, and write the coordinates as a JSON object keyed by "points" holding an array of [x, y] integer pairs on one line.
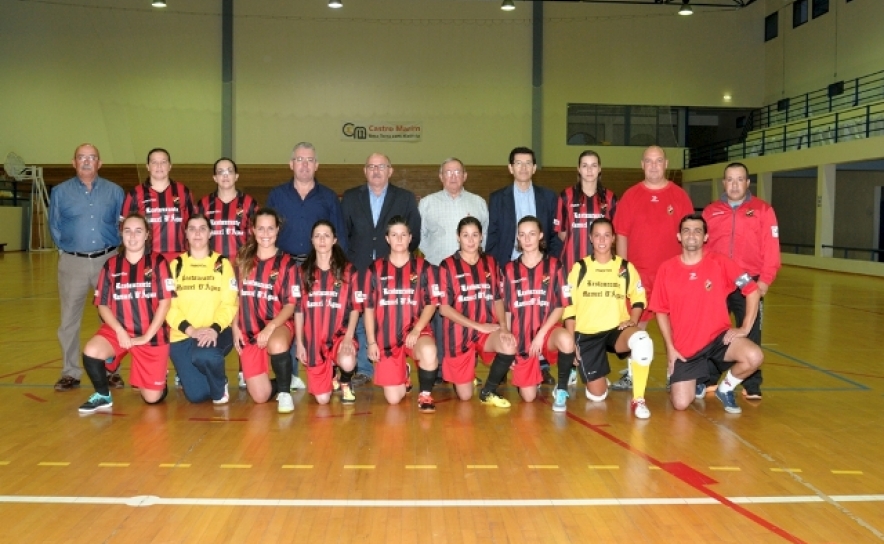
{"points": [[825, 210]]}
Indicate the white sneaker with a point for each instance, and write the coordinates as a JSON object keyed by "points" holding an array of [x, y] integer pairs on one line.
{"points": [[242, 381], [298, 383], [225, 398], [286, 404], [640, 409]]}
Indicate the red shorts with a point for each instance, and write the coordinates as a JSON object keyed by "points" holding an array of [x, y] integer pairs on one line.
{"points": [[256, 361], [148, 362], [319, 377], [526, 371], [390, 370], [648, 283], [462, 367]]}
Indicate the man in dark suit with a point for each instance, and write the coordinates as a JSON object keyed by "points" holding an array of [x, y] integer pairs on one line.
{"points": [[367, 209], [510, 204]]}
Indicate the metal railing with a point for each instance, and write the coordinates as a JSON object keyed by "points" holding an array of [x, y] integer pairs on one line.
{"points": [[14, 193], [861, 122], [802, 249]]}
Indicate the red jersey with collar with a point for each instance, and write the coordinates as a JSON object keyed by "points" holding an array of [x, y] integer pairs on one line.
{"points": [[471, 290], [531, 295], [574, 217], [166, 212], [133, 291], [748, 234], [695, 298], [271, 284], [326, 308], [649, 218], [398, 295], [229, 221]]}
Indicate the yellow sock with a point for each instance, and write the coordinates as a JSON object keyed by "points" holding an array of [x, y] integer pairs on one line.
{"points": [[639, 378]]}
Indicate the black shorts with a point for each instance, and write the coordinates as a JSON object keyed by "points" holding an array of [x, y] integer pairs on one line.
{"points": [[696, 367], [594, 349]]}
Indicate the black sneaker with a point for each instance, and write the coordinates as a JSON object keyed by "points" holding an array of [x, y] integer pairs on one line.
{"points": [[548, 378], [359, 380], [425, 403], [97, 402]]}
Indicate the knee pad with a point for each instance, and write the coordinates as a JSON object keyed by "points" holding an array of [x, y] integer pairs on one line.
{"points": [[642, 348], [596, 398]]}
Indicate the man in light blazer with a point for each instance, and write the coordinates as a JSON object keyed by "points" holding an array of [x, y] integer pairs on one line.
{"points": [[508, 205], [367, 209]]}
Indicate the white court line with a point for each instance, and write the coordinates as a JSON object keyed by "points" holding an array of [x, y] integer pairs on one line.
{"points": [[151, 500]]}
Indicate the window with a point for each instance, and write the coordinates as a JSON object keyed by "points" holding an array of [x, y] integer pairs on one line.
{"points": [[820, 7], [799, 13], [607, 124], [771, 26]]}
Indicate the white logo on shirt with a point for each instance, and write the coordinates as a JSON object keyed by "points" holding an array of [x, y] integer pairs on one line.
{"points": [[692, 276], [775, 231]]}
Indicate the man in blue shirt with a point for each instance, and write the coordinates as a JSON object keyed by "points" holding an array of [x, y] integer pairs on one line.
{"points": [[84, 217], [301, 202]]}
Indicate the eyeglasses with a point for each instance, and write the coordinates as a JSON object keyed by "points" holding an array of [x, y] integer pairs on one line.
{"points": [[453, 173], [523, 164], [225, 172], [308, 160], [378, 167]]}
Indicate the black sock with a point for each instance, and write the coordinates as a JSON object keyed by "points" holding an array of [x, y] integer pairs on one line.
{"points": [[346, 377], [97, 374], [499, 367], [274, 389], [566, 363], [426, 379], [282, 368]]}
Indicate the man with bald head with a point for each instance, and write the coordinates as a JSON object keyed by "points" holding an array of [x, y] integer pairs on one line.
{"points": [[367, 209], [84, 217], [646, 226]]}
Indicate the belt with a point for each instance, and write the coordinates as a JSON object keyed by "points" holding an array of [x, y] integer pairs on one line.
{"points": [[92, 255]]}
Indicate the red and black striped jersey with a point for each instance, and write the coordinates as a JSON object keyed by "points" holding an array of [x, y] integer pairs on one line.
{"points": [[397, 295], [230, 221], [271, 284], [471, 290], [531, 295], [574, 216], [167, 212], [133, 291], [326, 309]]}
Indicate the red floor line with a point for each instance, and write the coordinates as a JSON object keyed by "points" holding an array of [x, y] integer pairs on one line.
{"points": [[35, 397], [20, 378], [691, 477]]}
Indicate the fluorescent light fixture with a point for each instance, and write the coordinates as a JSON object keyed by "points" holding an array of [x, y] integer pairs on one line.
{"points": [[158, 3], [508, 5], [335, 4], [685, 9]]}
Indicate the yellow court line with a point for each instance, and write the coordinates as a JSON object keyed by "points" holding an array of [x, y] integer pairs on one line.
{"points": [[543, 466], [366, 467], [113, 465], [604, 467], [174, 465], [297, 466], [420, 467], [236, 466], [53, 464], [481, 466], [785, 470], [851, 472], [726, 469]]}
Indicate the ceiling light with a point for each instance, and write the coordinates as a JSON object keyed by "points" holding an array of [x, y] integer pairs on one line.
{"points": [[335, 4], [727, 97], [685, 9], [158, 3], [508, 5]]}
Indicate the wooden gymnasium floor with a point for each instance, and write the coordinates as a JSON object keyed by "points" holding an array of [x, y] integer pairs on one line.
{"points": [[803, 465]]}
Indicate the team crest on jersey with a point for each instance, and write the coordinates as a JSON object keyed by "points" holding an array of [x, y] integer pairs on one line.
{"points": [[622, 271], [708, 285], [218, 266], [274, 274], [750, 213], [413, 279], [338, 284], [670, 210], [545, 280], [148, 273], [239, 212], [175, 201]]}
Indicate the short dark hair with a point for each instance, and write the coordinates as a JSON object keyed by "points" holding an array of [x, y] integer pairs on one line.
{"points": [[215, 166], [693, 217], [469, 220], [522, 151], [158, 150], [397, 220], [737, 165]]}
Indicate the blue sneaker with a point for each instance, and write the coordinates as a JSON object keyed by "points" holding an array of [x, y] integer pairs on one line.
{"points": [[701, 391], [560, 403], [729, 402], [97, 402]]}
